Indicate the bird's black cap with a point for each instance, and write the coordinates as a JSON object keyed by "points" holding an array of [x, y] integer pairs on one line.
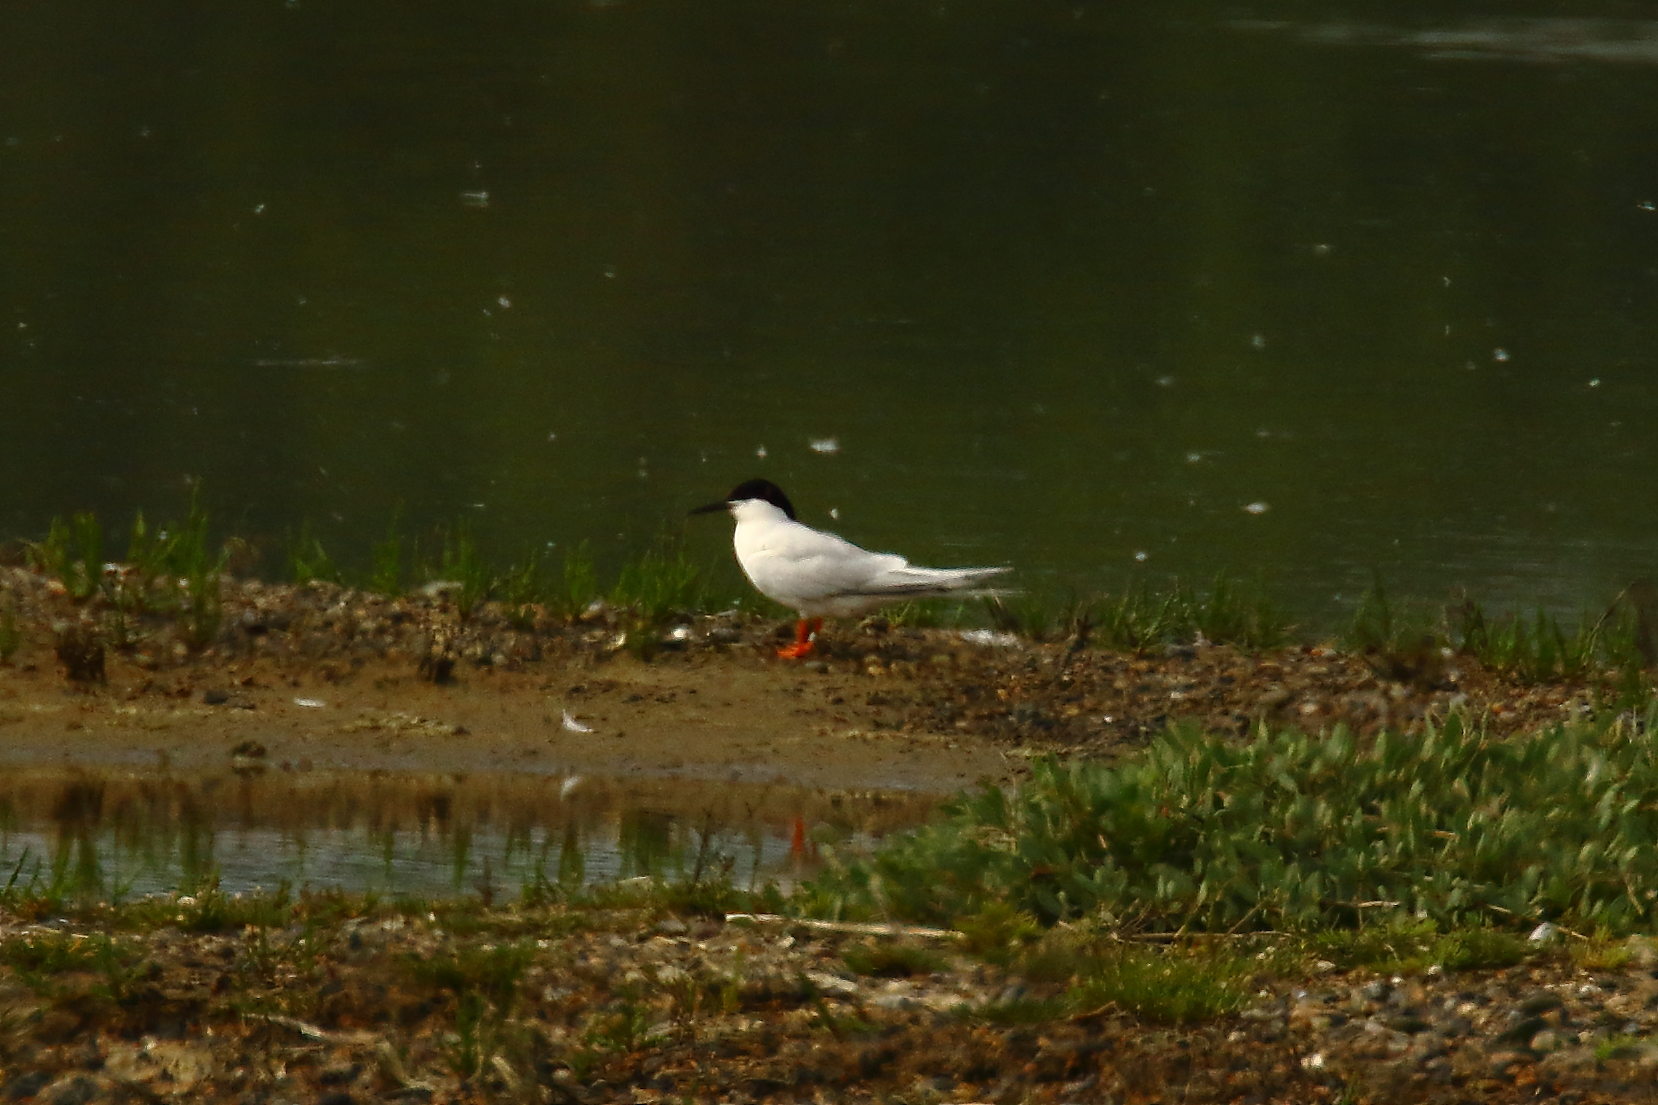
{"points": [[752, 489]]}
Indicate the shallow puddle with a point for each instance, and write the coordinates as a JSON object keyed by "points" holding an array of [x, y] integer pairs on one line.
{"points": [[115, 834]]}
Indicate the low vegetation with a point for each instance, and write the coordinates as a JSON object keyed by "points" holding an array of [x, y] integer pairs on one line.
{"points": [[1293, 831], [172, 574], [1412, 640], [1189, 907], [1199, 879]]}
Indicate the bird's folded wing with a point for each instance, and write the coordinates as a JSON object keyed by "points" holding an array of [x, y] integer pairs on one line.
{"points": [[811, 564]]}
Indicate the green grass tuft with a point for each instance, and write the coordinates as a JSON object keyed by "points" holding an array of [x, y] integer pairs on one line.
{"points": [[1168, 985], [1540, 649], [1294, 831], [1481, 947], [492, 971], [522, 588], [173, 572], [308, 560], [1228, 613], [580, 579], [890, 959], [660, 584], [1396, 944], [1401, 944], [38, 958], [920, 614], [1620, 1045], [998, 932], [197, 566], [460, 563], [73, 554], [1409, 642], [484, 981], [385, 574]]}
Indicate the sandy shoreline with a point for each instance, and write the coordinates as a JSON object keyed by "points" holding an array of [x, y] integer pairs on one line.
{"points": [[673, 719], [319, 677]]}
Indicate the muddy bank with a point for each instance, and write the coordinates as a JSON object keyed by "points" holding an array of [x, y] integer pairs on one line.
{"points": [[695, 717], [346, 1000], [338, 1003], [323, 678]]}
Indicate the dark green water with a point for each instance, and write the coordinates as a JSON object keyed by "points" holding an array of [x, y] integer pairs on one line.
{"points": [[1066, 283]]}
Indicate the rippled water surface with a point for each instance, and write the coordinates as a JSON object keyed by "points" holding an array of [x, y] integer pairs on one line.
{"points": [[1067, 286]]}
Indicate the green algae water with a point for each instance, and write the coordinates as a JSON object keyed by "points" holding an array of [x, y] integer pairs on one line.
{"points": [[1109, 292]]}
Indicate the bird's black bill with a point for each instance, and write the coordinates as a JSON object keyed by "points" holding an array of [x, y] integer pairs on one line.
{"points": [[748, 490]]}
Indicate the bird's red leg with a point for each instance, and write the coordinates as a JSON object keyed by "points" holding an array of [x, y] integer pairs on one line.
{"points": [[803, 634], [801, 850]]}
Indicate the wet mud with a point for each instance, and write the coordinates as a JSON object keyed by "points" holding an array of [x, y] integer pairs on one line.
{"points": [[324, 678], [315, 684]]}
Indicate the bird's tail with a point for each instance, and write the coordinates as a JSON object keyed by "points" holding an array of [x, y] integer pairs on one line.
{"points": [[926, 582]]}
